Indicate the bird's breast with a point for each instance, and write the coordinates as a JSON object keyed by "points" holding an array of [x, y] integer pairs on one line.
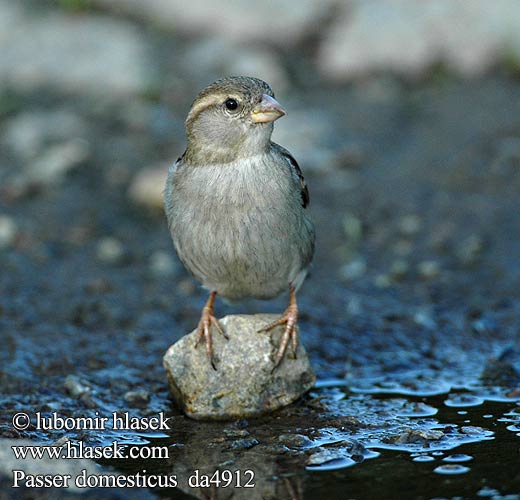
{"points": [[236, 227]]}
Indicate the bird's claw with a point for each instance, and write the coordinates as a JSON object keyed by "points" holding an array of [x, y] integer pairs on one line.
{"points": [[207, 320], [289, 319]]}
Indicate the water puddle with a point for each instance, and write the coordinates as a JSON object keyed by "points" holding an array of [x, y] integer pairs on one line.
{"points": [[341, 437]]}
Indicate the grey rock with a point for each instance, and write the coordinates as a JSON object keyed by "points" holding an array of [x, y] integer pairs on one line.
{"points": [[429, 269], [283, 21], [75, 387], [468, 37], [472, 429], [294, 440], [8, 231], [147, 186], [93, 54], [398, 269], [236, 433], [28, 134], [353, 227], [416, 436], [244, 444], [322, 455], [217, 56], [470, 249], [162, 264], [137, 399], [410, 225], [353, 270], [110, 250], [383, 280], [424, 317], [47, 145], [49, 169], [244, 383]]}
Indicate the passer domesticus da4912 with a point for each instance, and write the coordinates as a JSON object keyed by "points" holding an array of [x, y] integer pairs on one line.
{"points": [[236, 204]]}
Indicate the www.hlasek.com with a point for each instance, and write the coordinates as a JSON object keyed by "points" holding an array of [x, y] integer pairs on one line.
{"points": [[114, 450], [73, 450]]}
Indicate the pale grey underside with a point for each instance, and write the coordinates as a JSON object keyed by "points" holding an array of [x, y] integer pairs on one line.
{"points": [[240, 227]]}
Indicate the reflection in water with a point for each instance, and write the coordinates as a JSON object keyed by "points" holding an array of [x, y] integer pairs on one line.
{"points": [[333, 435]]}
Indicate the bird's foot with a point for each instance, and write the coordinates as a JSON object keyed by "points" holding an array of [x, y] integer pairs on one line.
{"points": [[207, 320], [290, 320]]}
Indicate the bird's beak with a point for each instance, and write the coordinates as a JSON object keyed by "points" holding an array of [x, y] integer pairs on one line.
{"points": [[267, 110]]}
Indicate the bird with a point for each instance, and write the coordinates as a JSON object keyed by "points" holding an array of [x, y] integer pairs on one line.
{"points": [[237, 205]]}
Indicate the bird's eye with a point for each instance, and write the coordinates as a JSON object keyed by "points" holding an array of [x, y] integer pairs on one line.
{"points": [[231, 104]]}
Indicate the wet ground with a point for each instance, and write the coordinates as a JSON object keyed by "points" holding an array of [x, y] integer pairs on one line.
{"points": [[411, 315]]}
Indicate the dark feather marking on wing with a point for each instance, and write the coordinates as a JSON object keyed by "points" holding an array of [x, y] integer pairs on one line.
{"points": [[304, 190], [181, 157]]}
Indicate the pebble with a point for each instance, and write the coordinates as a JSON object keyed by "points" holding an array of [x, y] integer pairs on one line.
{"points": [[137, 399], [353, 227], [54, 163], [110, 250], [147, 186], [244, 444], [8, 231], [399, 269], [28, 133], [417, 436], [383, 281], [236, 433], [162, 264], [294, 440], [353, 270], [75, 387], [410, 225], [428, 269], [470, 249]]}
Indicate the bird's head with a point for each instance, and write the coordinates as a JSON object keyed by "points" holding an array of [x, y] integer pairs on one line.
{"points": [[231, 118]]}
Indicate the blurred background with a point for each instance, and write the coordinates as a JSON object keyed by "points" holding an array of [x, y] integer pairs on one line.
{"points": [[404, 116]]}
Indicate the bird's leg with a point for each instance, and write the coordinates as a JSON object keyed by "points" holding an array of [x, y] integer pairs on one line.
{"points": [[207, 319], [289, 319]]}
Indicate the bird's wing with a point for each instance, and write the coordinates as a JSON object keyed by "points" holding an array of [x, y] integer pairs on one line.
{"points": [[296, 170], [174, 166]]}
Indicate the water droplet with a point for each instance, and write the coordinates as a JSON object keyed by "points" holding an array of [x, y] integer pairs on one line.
{"points": [[458, 457], [488, 492], [338, 463], [451, 469], [424, 458], [332, 382], [457, 400], [417, 410]]}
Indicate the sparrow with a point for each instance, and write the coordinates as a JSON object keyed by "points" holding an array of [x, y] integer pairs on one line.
{"points": [[236, 205]]}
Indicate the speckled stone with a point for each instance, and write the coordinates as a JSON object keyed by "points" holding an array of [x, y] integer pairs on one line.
{"points": [[244, 383]]}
